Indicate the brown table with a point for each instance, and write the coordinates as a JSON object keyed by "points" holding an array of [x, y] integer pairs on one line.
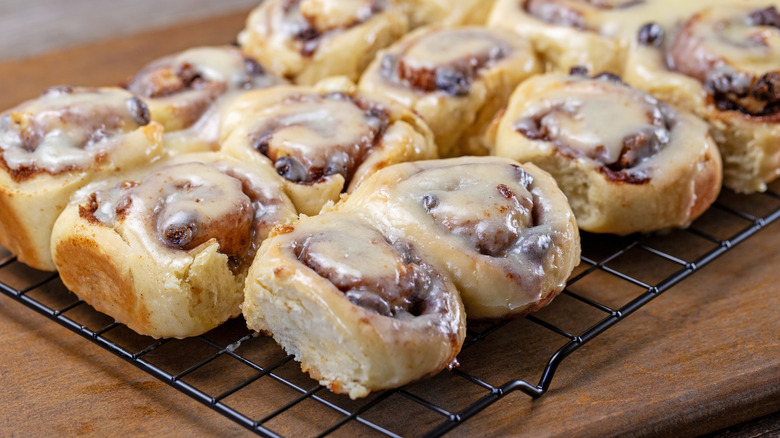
{"points": [[704, 356]]}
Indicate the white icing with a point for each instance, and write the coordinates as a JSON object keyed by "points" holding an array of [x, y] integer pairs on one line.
{"points": [[726, 32], [71, 129], [309, 129], [595, 117], [452, 45], [330, 14]]}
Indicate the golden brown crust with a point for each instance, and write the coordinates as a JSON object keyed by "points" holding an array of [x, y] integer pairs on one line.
{"points": [[72, 135], [101, 282], [151, 247], [13, 235], [706, 185]]}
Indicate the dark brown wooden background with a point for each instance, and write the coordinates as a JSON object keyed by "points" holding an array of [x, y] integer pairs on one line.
{"points": [[702, 357]]}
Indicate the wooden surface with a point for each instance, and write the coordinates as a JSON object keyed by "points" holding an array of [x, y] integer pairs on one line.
{"points": [[702, 357], [32, 27]]}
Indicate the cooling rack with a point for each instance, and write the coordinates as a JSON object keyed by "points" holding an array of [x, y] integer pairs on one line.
{"points": [[249, 379]]}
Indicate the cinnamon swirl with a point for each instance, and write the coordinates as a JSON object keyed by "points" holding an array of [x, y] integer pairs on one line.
{"points": [[307, 40], [325, 140], [502, 231], [722, 62], [361, 311], [626, 161], [455, 78], [52, 146], [185, 92], [568, 33], [165, 250]]}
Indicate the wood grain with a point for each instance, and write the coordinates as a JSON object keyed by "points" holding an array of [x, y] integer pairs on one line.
{"points": [[704, 356], [109, 62], [32, 27]]}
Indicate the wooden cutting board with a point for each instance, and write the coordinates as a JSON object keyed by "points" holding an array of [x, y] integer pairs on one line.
{"points": [[701, 357]]}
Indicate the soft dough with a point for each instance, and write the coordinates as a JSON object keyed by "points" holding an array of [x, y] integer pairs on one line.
{"points": [[360, 311], [324, 140], [502, 231], [308, 40], [446, 12], [723, 63], [456, 79], [569, 33], [55, 144], [165, 250], [186, 92], [627, 162]]}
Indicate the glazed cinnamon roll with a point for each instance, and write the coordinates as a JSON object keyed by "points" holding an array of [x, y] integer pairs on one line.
{"points": [[360, 311], [455, 78], [626, 161], [502, 231], [724, 64], [166, 250], [325, 140], [308, 40], [446, 12], [57, 143], [185, 92], [568, 33]]}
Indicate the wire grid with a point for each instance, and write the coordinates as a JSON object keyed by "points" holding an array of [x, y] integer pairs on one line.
{"points": [[249, 379]]}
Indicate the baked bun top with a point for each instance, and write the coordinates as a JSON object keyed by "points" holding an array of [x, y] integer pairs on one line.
{"points": [[67, 129], [190, 82], [449, 60], [734, 51], [616, 127], [190, 201]]}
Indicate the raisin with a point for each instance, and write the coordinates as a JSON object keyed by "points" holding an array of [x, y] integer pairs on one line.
{"points": [[453, 82], [262, 143], [767, 88], [765, 17], [139, 111], [291, 169], [578, 70], [253, 67], [430, 202], [651, 34]]}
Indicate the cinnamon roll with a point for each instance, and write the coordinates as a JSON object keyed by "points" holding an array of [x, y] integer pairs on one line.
{"points": [[185, 92], [325, 140], [360, 311], [307, 40], [626, 161], [446, 12], [55, 144], [165, 250], [502, 231], [455, 78], [568, 33], [724, 64]]}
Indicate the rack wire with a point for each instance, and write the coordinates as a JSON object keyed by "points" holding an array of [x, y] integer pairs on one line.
{"points": [[249, 379]]}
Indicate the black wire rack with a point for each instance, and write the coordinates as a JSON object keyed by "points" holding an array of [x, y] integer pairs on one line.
{"points": [[250, 380]]}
